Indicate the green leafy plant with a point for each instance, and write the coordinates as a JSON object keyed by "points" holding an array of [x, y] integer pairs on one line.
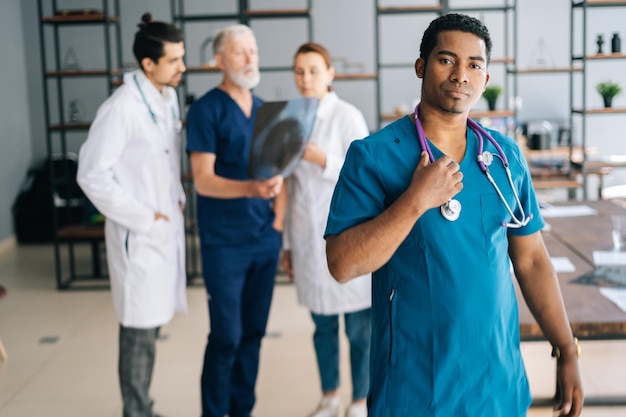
{"points": [[608, 88], [491, 93]]}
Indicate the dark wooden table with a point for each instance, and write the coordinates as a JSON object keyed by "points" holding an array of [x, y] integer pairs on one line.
{"points": [[592, 316]]}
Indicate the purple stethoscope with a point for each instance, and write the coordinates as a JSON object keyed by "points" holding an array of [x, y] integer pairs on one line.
{"points": [[451, 209]]}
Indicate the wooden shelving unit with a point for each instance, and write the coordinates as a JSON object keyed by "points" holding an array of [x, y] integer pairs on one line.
{"points": [[585, 10], [67, 201]]}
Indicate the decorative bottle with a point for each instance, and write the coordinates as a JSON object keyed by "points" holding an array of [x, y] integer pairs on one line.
{"points": [[616, 43]]}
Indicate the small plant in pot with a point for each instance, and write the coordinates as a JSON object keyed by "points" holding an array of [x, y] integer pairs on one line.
{"points": [[608, 90], [491, 94]]}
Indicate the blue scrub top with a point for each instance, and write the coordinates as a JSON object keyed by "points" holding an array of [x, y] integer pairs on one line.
{"points": [[216, 124], [445, 337]]}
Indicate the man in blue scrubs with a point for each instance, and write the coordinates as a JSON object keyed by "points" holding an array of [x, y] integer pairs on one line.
{"points": [[445, 337], [239, 221]]}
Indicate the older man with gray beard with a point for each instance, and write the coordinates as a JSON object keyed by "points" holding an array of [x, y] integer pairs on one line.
{"points": [[240, 222]]}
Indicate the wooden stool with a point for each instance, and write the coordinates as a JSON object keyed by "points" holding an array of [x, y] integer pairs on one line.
{"points": [[3, 352]]}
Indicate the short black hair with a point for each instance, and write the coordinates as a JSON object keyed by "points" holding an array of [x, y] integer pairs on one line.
{"points": [[454, 21], [151, 36]]}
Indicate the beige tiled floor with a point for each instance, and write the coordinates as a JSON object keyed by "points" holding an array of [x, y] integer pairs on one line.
{"points": [[76, 375]]}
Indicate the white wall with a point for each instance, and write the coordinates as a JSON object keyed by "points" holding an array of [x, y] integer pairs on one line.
{"points": [[15, 134]]}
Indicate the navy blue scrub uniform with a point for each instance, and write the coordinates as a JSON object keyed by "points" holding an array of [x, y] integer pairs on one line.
{"points": [[240, 251]]}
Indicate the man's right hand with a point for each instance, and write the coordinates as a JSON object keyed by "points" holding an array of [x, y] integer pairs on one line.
{"points": [[158, 216], [269, 188], [436, 183]]}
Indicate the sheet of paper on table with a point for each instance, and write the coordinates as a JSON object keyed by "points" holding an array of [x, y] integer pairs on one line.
{"points": [[616, 295], [615, 258], [562, 264], [568, 211]]}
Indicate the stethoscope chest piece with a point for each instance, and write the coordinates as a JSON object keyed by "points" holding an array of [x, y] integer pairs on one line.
{"points": [[451, 210], [487, 158]]}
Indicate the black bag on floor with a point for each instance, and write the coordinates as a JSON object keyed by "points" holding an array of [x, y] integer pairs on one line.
{"points": [[34, 206]]}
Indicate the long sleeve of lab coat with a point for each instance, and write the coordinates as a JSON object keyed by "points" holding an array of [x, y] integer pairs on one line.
{"points": [[104, 153]]}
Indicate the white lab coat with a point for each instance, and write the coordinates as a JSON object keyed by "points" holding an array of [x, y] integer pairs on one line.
{"points": [[129, 168], [310, 190]]}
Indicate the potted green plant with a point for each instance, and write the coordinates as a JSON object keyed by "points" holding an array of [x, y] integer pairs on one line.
{"points": [[491, 94], [608, 90]]}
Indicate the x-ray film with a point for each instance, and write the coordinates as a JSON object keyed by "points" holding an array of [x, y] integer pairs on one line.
{"points": [[281, 132]]}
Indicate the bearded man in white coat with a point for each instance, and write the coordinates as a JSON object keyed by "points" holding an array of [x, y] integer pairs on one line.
{"points": [[129, 169]]}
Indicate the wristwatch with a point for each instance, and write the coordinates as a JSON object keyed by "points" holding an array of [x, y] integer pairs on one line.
{"points": [[556, 352]]}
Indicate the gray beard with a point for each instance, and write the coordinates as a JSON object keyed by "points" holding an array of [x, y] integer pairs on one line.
{"points": [[247, 82]]}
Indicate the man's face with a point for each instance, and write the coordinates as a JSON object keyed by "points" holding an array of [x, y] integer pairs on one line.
{"points": [[239, 60], [456, 73], [169, 70]]}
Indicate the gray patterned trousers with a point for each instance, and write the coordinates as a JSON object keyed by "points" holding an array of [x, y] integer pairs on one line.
{"points": [[136, 360]]}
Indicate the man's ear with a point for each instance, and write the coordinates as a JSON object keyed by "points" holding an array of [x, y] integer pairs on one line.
{"points": [[486, 81], [219, 62], [148, 64], [419, 67]]}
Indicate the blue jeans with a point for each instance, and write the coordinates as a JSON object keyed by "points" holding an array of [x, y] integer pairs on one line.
{"points": [[358, 326]]}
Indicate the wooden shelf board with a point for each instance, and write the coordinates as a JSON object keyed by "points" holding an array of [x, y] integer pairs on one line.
{"points": [[372, 76], [278, 12], [494, 113], [390, 117], [600, 3], [547, 70], [503, 60], [87, 18], [206, 17], [401, 9], [82, 73], [81, 231], [607, 56], [70, 126], [543, 184], [606, 110], [203, 68]]}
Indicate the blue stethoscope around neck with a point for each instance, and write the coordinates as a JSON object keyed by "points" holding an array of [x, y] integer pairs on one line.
{"points": [[177, 125], [451, 210]]}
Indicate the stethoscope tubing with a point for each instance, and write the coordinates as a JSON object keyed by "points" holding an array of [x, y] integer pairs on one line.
{"points": [[481, 133]]}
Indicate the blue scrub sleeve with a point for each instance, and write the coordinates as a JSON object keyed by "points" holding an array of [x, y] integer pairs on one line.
{"points": [[360, 191], [201, 134]]}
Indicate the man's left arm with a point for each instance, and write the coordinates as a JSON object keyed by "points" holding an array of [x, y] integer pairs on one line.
{"points": [[539, 284]]}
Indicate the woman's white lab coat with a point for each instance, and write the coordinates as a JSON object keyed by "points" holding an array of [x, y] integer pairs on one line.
{"points": [[310, 189], [129, 169]]}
